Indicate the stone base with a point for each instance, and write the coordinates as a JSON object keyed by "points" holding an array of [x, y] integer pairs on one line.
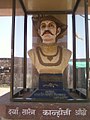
{"points": [[42, 111]]}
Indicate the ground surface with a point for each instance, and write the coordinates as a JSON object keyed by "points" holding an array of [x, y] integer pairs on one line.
{"points": [[4, 90]]}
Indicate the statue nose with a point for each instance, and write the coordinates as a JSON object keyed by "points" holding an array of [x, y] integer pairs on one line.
{"points": [[46, 28]]}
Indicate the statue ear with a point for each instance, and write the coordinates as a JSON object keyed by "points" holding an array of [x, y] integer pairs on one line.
{"points": [[58, 31]]}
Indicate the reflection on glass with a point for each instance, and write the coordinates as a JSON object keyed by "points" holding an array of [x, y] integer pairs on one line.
{"points": [[19, 52], [29, 46], [80, 50], [69, 45]]}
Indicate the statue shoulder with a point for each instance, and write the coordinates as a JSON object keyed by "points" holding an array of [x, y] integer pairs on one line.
{"points": [[66, 50], [31, 52]]}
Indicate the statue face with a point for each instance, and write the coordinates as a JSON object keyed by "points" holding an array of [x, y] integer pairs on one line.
{"points": [[48, 31]]}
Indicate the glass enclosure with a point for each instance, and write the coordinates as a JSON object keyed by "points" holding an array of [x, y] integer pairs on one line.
{"points": [[18, 49], [80, 49], [44, 71], [89, 56]]}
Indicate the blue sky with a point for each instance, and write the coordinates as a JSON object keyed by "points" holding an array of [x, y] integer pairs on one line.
{"points": [[5, 36]]}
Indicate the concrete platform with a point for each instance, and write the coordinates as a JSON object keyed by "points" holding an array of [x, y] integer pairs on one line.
{"points": [[42, 111]]}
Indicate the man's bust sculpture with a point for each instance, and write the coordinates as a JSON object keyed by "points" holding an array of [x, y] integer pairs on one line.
{"points": [[48, 57]]}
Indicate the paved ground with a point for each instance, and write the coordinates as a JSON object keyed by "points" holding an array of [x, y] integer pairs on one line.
{"points": [[4, 90]]}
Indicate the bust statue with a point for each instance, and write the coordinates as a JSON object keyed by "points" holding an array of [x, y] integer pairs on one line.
{"points": [[49, 57]]}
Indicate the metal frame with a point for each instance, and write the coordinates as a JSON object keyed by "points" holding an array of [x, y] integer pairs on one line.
{"points": [[12, 48], [87, 44], [25, 40], [74, 44]]}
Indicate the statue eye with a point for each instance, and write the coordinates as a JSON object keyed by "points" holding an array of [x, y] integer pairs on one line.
{"points": [[51, 25], [42, 26]]}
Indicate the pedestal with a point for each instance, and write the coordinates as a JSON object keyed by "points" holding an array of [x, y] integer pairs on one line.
{"points": [[42, 111], [50, 88]]}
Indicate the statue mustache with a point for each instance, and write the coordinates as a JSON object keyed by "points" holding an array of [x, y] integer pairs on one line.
{"points": [[47, 31]]}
